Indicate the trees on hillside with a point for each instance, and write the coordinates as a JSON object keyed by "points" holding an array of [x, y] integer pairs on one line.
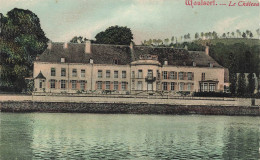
{"points": [[115, 35], [21, 40]]}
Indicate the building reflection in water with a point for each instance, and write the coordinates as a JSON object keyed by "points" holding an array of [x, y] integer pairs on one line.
{"points": [[97, 136]]}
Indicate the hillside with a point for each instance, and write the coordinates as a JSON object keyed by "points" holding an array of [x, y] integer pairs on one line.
{"points": [[229, 41]]}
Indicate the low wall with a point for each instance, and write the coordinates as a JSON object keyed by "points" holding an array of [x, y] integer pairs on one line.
{"points": [[210, 101], [127, 108]]}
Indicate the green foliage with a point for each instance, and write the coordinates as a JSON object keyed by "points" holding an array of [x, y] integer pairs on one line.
{"points": [[21, 40], [211, 94], [251, 83], [115, 35], [79, 39], [233, 81], [241, 90]]}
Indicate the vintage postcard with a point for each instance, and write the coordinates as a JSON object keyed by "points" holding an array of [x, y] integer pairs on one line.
{"points": [[129, 79]]}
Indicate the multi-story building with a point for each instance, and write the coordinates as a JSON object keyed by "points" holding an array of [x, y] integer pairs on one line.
{"points": [[122, 69]]}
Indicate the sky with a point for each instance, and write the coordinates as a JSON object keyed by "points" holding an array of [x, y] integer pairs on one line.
{"points": [[61, 20]]}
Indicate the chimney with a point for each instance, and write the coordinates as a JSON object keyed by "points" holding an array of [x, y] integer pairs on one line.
{"points": [[165, 62], [65, 46], [49, 45], [88, 47], [132, 51], [207, 50], [131, 45]]}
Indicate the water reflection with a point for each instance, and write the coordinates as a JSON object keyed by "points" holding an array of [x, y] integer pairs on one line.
{"points": [[15, 136], [97, 136]]}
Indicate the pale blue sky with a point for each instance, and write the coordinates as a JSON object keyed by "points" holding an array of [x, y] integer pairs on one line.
{"points": [[63, 19]]}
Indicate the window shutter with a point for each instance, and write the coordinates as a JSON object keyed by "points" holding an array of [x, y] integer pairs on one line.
{"points": [[111, 85]]}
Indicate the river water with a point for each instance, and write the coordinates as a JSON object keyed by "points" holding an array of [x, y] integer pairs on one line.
{"points": [[122, 136]]}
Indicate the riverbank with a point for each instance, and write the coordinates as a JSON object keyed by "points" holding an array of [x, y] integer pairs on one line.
{"points": [[126, 108], [129, 105]]}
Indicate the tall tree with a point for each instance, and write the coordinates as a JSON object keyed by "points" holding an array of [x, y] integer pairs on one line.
{"points": [[215, 35], [115, 35], [224, 35], [244, 35], [251, 35], [241, 84], [238, 32], [258, 32], [172, 39], [22, 39], [233, 34], [232, 72], [251, 83], [202, 35], [196, 35]]}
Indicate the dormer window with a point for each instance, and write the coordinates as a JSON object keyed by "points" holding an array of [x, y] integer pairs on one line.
{"points": [[210, 65], [194, 64], [62, 60], [116, 61]]}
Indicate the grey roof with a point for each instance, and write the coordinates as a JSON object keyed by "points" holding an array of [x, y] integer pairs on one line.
{"points": [[106, 54], [40, 76]]}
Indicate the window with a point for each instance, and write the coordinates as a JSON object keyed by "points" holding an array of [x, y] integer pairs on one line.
{"points": [[133, 84], [123, 86], [83, 73], [99, 73], [73, 84], [212, 87], [203, 76], [123, 74], [165, 75], [158, 86], [204, 87], [116, 61], [189, 86], [62, 84], [63, 72], [40, 84], [115, 74], [150, 73], [74, 72], [171, 75], [181, 76], [133, 74], [107, 85], [158, 75], [165, 86], [62, 60], [82, 85], [181, 87], [53, 72], [189, 76], [108, 74], [115, 85], [172, 86], [139, 85], [140, 73], [99, 85], [52, 83]]}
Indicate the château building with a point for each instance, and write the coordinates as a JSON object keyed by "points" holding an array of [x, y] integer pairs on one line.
{"points": [[122, 69]]}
